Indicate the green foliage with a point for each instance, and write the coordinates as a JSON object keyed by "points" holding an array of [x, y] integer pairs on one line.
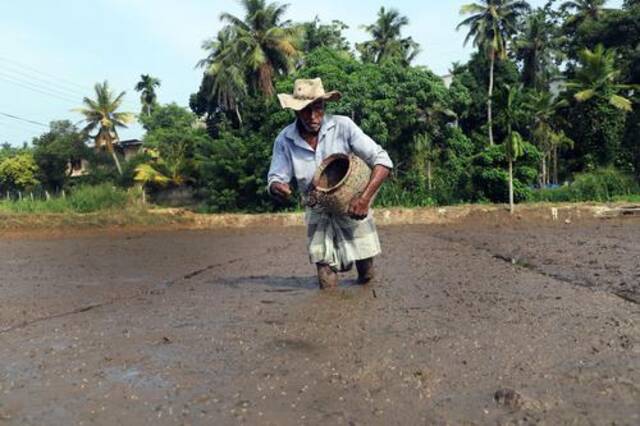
{"points": [[7, 151], [537, 47], [387, 44], [233, 171], [55, 149], [173, 133], [261, 45], [330, 35], [597, 78], [490, 177], [474, 76], [147, 88], [127, 179], [18, 172], [491, 23], [601, 185], [86, 199], [83, 199], [407, 192], [168, 116], [597, 128]]}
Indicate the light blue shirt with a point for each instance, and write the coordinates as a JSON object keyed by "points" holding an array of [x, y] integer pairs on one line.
{"points": [[294, 158]]}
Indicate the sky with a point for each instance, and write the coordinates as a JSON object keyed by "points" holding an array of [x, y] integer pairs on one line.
{"points": [[52, 52]]}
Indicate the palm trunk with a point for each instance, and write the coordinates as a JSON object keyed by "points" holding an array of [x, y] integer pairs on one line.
{"points": [[238, 115], [511, 206], [543, 165], [114, 156], [489, 101], [429, 185], [115, 160], [555, 165]]}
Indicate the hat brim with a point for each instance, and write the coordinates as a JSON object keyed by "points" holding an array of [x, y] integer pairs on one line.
{"points": [[290, 102]]}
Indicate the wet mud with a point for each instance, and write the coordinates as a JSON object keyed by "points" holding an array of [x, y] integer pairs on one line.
{"points": [[479, 322]]}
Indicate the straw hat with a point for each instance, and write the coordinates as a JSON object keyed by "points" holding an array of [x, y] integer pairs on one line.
{"points": [[306, 92]]}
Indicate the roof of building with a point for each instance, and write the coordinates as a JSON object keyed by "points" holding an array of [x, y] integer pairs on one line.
{"points": [[129, 142]]}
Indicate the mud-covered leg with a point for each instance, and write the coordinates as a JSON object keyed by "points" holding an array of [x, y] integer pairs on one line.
{"points": [[327, 276], [365, 270]]}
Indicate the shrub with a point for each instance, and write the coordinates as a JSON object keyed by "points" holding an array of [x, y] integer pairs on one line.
{"points": [[601, 185], [86, 199]]}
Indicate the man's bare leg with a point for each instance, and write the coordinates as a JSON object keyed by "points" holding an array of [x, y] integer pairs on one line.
{"points": [[365, 270], [327, 276]]}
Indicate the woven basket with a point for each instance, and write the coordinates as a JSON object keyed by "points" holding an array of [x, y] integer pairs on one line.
{"points": [[339, 179]]}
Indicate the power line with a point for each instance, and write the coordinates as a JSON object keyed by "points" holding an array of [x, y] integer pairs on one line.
{"points": [[17, 126], [52, 85], [34, 89], [15, 117], [37, 71], [54, 92]]}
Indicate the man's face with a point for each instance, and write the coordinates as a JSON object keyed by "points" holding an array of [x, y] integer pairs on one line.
{"points": [[311, 116]]}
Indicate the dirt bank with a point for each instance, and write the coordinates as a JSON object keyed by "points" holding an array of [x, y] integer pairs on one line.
{"points": [[486, 321]]}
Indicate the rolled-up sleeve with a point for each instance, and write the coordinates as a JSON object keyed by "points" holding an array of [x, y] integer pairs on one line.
{"points": [[366, 148], [281, 169]]}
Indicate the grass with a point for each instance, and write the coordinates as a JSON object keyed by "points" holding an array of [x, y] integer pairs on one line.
{"points": [[85, 199], [86, 207]]}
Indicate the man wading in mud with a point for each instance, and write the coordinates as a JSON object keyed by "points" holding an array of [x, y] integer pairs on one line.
{"points": [[334, 242]]}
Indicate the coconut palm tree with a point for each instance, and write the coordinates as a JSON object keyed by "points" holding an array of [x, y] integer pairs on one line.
{"points": [[597, 76], [227, 83], [536, 46], [146, 86], [583, 10], [102, 114], [427, 145], [544, 108], [491, 24], [387, 43], [513, 115], [262, 43]]}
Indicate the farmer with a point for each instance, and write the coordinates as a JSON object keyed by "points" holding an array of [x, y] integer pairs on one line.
{"points": [[334, 242]]}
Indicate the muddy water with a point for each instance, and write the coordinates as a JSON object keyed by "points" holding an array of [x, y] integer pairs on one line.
{"points": [[475, 323]]}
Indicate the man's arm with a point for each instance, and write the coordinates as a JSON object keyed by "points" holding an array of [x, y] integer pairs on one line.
{"points": [[378, 159], [280, 172], [359, 206]]}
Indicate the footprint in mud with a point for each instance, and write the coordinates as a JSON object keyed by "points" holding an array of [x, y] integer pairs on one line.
{"points": [[296, 345]]}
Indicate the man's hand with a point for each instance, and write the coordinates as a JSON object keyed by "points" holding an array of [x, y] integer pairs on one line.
{"points": [[359, 208], [281, 191]]}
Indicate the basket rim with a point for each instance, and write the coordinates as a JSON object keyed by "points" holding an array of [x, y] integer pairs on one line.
{"points": [[324, 165]]}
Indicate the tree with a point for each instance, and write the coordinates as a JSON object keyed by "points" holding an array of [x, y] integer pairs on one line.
{"points": [[171, 140], [387, 43], [146, 86], [598, 117], [426, 147], [597, 77], [18, 172], [491, 24], [582, 11], [54, 150], [224, 78], [261, 44], [102, 114], [546, 132], [536, 46], [513, 115], [318, 35]]}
